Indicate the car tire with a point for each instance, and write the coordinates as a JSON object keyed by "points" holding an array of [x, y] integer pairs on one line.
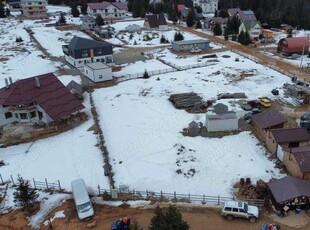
{"points": [[252, 219], [229, 217]]}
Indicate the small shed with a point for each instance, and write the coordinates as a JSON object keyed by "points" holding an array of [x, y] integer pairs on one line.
{"points": [[290, 191], [193, 128], [187, 45], [88, 22], [76, 89], [296, 45], [222, 122], [133, 28], [98, 71]]}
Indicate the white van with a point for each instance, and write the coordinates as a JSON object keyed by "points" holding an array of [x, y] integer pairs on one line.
{"points": [[83, 204]]}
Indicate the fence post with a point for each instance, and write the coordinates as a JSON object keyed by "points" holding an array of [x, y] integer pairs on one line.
{"points": [[1, 179], [161, 195], [133, 191], [218, 200], [12, 179], [34, 183], [46, 183], [98, 189], [204, 199], [59, 185], [175, 196], [147, 194], [189, 197]]}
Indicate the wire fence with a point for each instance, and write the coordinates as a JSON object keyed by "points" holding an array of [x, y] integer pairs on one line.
{"points": [[191, 66]]}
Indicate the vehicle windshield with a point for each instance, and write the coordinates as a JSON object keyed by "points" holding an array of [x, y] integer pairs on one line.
{"points": [[245, 207], [84, 207]]}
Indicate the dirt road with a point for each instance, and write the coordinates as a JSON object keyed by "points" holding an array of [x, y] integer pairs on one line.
{"points": [[285, 67]]}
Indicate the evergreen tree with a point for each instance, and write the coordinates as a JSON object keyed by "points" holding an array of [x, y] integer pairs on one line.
{"points": [[178, 36], [24, 194], [54, 2], [198, 24], [2, 12], [130, 5], [7, 12], [223, 14], [190, 20], [217, 30], [226, 35], [99, 20], [84, 7], [289, 33], [74, 10], [163, 39], [142, 13], [146, 74], [135, 225], [158, 221], [247, 38], [136, 9], [62, 20], [241, 37]]}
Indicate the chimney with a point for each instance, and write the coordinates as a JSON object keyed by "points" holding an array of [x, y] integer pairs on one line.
{"points": [[6, 83], [38, 85], [10, 81]]}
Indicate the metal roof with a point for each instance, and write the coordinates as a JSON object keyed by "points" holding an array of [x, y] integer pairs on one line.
{"points": [[188, 42], [289, 188], [79, 43], [156, 20], [221, 116], [268, 118], [290, 134], [97, 65]]}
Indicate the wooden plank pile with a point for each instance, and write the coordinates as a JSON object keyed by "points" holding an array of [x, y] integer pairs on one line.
{"points": [[191, 102]]}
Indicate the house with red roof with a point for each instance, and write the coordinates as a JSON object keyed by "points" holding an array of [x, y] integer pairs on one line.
{"points": [[38, 99], [107, 10]]}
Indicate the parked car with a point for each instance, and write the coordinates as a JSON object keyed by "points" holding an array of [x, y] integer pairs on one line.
{"points": [[240, 209], [256, 111], [275, 92], [265, 102], [82, 202], [248, 115], [255, 103], [195, 50], [246, 106]]}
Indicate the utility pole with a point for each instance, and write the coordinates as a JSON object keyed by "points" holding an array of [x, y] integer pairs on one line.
{"points": [[302, 55]]}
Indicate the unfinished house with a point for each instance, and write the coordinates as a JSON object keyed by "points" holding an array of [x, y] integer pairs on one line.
{"points": [[222, 122], [299, 92]]}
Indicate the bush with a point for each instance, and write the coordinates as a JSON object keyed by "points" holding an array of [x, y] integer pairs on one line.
{"points": [[178, 36], [106, 196], [24, 194], [19, 39], [130, 36], [163, 39], [146, 74]]}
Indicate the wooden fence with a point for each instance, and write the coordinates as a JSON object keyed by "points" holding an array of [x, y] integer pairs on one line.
{"points": [[176, 197]]}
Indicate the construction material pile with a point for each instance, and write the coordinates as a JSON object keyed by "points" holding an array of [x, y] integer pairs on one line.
{"points": [[249, 191]]}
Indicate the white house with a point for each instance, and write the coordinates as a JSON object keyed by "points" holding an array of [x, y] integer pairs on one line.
{"points": [[98, 72], [107, 10], [207, 6], [34, 8]]}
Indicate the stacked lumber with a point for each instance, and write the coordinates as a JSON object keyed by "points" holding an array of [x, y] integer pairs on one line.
{"points": [[191, 102]]}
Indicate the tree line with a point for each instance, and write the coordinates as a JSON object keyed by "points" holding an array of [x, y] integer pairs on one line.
{"points": [[275, 12]]}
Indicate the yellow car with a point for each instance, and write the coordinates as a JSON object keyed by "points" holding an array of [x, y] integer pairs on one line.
{"points": [[265, 102]]}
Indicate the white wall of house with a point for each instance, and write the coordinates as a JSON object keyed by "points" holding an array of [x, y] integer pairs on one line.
{"points": [[6, 117], [207, 6], [108, 13], [254, 32], [81, 61], [98, 75]]}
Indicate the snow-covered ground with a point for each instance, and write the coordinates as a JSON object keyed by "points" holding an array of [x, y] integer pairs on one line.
{"points": [[122, 25], [65, 157], [52, 39], [140, 66], [142, 131]]}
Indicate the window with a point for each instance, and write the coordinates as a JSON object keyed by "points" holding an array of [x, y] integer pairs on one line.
{"points": [[33, 114], [40, 114], [40, 3], [235, 210], [16, 115], [86, 71], [30, 8], [8, 115], [106, 10], [227, 209], [241, 210], [99, 51], [115, 10], [100, 76], [97, 60], [94, 11], [23, 116], [84, 53], [108, 59]]}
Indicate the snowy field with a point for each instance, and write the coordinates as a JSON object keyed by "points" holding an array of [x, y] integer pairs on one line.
{"points": [[147, 149], [122, 25], [52, 39], [65, 157], [140, 66]]}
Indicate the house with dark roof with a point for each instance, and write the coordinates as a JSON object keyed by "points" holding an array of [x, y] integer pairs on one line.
{"points": [[267, 120], [290, 191], [279, 139], [88, 22], [209, 23], [107, 10], [297, 161], [156, 21], [76, 89], [38, 99], [248, 22], [296, 45], [207, 6], [82, 50]]}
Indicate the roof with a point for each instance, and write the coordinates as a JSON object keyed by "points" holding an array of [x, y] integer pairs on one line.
{"points": [[73, 85], [181, 7], [247, 15], [290, 134], [87, 18], [156, 20], [295, 42], [221, 116], [293, 187], [250, 24], [97, 65], [188, 42], [78, 43], [303, 160], [103, 5], [79, 191], [52, 96], [268, 118], [219, 20], [233, 11]]}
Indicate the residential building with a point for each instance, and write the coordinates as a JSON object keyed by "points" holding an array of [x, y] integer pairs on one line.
{"points": [[38, 99], [107, 10], [82, 50], [34, 8], [209, 23], [76, 89], [296, 45], [156, 21], [297, 161], [222, 122], [14, 4], [98, 72], [267, 120], [187, 45], [207, 6], [279, 139], [88, 23], [248, 22], [298, 91]]}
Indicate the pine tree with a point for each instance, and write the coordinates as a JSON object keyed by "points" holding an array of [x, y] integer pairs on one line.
{"points": [[217, 30], [158, 221], [130, 5], [241, 37], [142, 13], [2, 12], [74, 10], [7, 12], [146, 74], [178, 36], [136, 9], [247, 38], [163, 39], [198, 24], [99, 20], [84, 7], [24, 194], [226, 35], [62, 20], [190, 20], [135, 225]]}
